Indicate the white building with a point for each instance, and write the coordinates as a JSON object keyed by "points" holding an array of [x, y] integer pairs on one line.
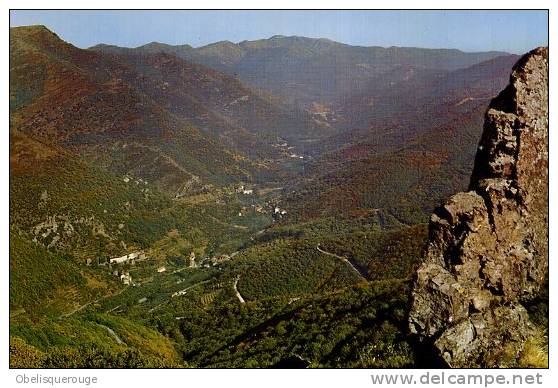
{"points": [[126, 258], [125, 278]]}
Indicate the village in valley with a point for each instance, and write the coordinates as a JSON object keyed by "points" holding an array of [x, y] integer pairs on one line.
{"points": [[149, 268]]}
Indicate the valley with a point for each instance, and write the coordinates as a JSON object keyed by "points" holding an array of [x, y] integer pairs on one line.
{"points": [[223, 206]]}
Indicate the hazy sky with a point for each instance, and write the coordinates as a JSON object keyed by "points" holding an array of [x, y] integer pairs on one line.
{"points": [[512, 31]]}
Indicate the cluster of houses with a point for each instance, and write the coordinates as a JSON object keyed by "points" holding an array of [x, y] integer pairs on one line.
{"points": [[269, 207], [216, 260], [179, 293], [124, 276], [286, 150], [244, 190], [119, 270], [278, 213], [128, 179]]}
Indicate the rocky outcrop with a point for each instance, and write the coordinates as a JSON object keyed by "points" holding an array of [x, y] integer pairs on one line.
{"points": [[488, 250]]}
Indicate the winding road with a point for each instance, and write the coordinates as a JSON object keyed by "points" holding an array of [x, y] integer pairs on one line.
{"points": [[361, 274], [113, 335], [240, 298]]}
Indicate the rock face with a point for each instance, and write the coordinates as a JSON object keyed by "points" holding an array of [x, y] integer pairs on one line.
{"points": [[488, 250]]}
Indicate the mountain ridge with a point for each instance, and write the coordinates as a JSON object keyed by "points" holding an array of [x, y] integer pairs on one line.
{"points": [[295, 37]]}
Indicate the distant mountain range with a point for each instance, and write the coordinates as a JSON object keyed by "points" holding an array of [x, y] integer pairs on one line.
{"points": [[340, 74], [280, 64]]}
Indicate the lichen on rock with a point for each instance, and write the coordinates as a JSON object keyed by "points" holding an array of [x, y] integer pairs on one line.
{"points": [[488, 249]]}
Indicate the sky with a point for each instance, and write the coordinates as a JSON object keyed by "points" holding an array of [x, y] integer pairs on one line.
{"points": [[510, 31]]}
